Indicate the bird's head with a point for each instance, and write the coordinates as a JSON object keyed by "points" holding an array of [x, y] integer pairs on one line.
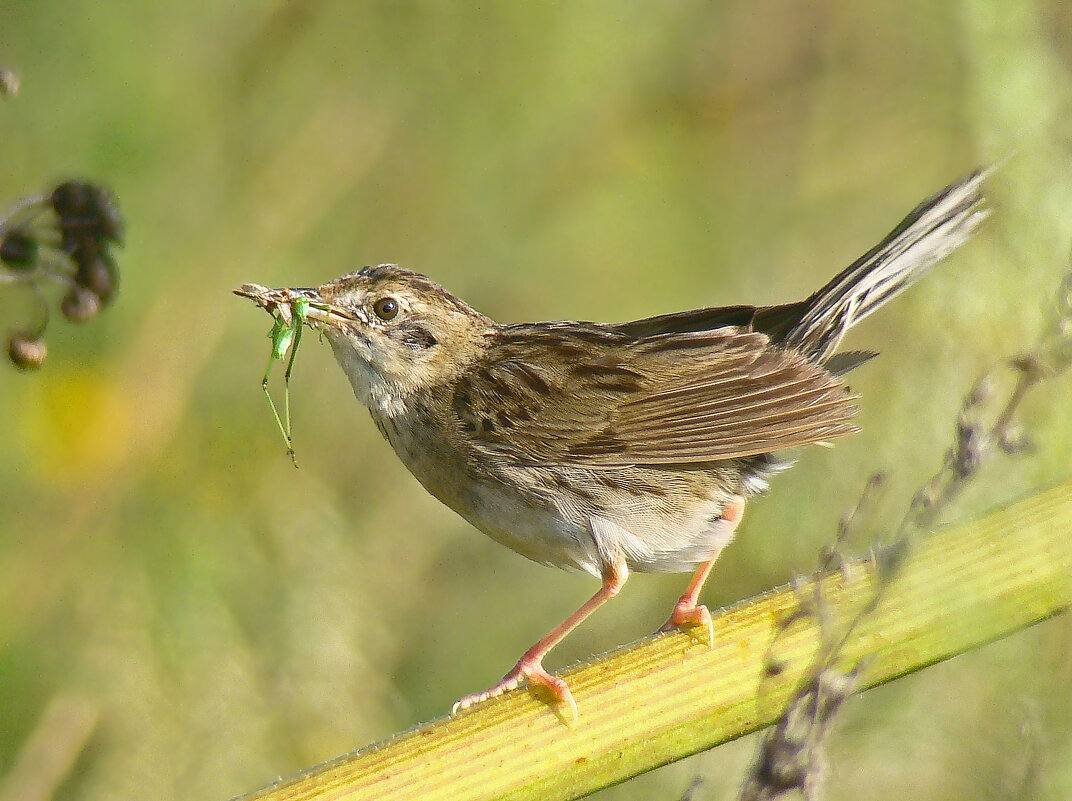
{"points": [[393, 331]]}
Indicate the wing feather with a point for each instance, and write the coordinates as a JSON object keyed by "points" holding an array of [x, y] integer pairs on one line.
{"points": [[597, 396]]}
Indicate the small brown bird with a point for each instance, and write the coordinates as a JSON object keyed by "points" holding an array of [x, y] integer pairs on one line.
{"points": [[619, 447]]}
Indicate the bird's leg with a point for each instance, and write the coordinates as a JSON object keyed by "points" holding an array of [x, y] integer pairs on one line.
{"points": [[530, 665], [687, 612]]}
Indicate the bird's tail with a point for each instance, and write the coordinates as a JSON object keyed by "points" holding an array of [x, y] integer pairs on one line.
{"points": [[934, 229]]}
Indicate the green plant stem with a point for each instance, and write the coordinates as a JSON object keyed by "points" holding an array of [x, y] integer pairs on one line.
{"points": [[666, 697]]}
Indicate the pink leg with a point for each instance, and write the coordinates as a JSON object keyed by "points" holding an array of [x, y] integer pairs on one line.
{"points": [[687, 612], [530, 665]]}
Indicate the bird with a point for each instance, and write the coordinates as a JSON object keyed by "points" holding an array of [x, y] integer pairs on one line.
{"points": [[612, 448]]}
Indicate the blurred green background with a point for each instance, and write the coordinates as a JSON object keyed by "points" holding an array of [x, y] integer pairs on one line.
{"points": [[185, 615]]}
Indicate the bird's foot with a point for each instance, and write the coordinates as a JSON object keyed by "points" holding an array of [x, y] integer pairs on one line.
{"points": [[532, 671]]}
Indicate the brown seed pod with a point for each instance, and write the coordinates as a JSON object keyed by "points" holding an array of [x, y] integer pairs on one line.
{"points": [[71, 199], [79, 304], [99, 275], [18, 250], [26, 352], [109, 222]]}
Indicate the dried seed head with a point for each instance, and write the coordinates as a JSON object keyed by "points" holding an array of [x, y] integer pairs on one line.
{"points": [[79, 304], [979, 393], [1029, 365], [25, 351], [1013, 439], [925, 499]]}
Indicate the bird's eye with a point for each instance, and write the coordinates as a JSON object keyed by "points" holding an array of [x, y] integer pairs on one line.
{"points": [[386, 308]]}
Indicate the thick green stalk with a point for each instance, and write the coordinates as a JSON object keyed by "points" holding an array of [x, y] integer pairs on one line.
{"points": [[667, 697]]}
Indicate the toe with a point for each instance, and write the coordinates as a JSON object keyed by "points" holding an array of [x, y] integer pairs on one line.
{"points": [[537, 676], [509, 682], [695, 617]]}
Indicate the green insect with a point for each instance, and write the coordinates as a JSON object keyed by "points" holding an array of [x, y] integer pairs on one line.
{"points": [[285, 335]]}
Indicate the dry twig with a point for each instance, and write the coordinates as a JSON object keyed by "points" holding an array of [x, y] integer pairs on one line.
{"points": [[791, 756]]}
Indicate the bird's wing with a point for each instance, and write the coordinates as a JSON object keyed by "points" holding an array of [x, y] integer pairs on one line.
{"points": [[592, 395]]}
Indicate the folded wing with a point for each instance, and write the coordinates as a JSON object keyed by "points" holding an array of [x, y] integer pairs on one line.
{"points": [[601, 397]]}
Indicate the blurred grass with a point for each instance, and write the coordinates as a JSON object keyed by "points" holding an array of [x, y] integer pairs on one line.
{"points": [[234, 619]]}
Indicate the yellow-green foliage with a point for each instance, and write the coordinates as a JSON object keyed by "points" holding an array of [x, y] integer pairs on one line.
{"points": [[215, 618]]}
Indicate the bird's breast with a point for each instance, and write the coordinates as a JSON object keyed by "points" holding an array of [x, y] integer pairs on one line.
{"points": [[505, 504]]}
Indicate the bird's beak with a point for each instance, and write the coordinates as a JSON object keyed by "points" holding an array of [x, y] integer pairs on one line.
{"points": [[282, 300]]}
